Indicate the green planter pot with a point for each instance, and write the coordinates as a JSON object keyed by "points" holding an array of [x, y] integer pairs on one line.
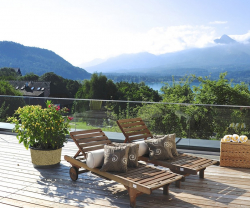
{"points": [[45, 158]]}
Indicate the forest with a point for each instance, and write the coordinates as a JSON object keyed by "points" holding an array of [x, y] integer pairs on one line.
{"points": [[208, 111]]}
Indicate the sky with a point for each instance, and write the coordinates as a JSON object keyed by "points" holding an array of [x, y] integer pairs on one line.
{"points": [[83, 30]]}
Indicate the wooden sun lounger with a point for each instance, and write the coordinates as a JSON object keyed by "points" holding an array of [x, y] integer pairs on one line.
{"points": [[143, 179], [184, 164]]}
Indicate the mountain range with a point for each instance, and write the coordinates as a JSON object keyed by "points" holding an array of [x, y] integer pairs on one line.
{"points": [[38, 61], [226, 54]]}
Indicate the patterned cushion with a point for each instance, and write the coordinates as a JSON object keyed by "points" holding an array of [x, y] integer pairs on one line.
{"points": [[132, 153], [159, 149], [171, 142], [115, 159], [171, 139]]}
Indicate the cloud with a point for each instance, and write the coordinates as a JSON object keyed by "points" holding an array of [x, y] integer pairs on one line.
{"points": [[218, 22], [161, 40], [245, 38], [157, 40]]}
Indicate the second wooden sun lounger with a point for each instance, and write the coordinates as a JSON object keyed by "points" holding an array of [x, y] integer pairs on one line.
{"points": [[185, 164], [143, 179]]}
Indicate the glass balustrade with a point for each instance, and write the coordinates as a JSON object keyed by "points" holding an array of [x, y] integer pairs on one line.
{"points": [[196, 126]]}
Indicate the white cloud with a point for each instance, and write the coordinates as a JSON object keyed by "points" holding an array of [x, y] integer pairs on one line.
{"points": [[162, 40], [245, 38], [158, 40], [218, 22]]}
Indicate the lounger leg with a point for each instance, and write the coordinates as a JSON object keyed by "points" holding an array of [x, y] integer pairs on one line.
{"points": [[133, 193], [178, 183], [166, 189], [201, 173]]}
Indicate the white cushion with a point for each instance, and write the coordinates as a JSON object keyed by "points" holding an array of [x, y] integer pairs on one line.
{"points": [[143, 148], [95, 158]]}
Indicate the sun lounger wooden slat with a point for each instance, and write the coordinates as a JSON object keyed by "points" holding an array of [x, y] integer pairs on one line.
{"points": [[87, 136], [143, 179], [93, 148], [90, 144], [138, 128], [91, 139], [183, 164]]}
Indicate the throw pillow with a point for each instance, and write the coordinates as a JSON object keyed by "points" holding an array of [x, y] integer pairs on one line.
{"points": [[115, 158], [159, 148], [172, 144], [132, 153]]}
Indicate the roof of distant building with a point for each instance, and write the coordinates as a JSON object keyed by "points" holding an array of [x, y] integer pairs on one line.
{"points": [[32, 88]]}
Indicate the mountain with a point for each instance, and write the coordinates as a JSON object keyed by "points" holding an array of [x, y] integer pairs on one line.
{"points": [[124, 62], [92, 63], [225, 39], [202, 60], [38, 61]]}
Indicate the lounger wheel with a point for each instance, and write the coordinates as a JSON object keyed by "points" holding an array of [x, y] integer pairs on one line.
{"points": [[73, 172]]}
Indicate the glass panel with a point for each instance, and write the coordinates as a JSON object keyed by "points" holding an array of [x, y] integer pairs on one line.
{"points": [[195, 125]]}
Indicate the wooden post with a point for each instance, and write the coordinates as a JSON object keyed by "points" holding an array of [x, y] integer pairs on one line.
{"points": [[201, 173], [178, 183], [166, 189], [133, 193]]}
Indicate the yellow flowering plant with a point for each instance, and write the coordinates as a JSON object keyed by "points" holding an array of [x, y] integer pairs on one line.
{"points": [[41, 128]]}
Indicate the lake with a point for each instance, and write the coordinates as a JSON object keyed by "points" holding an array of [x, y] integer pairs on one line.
{"points": [[159, 85]]}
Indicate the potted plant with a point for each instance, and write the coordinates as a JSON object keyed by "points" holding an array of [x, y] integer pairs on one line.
{"points": [[43, 130]]}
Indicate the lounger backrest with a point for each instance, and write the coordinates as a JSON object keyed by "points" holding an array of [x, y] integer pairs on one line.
{"points": [[134, 129], [89, 140]]}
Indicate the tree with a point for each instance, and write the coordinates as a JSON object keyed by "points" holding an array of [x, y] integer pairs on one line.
{"points": [[208, 119], [29, 77], [98, 87], [221, 92], [137, 92], [178, 92], [198, 118], [8, 104], [8, 74], [60, 87]]}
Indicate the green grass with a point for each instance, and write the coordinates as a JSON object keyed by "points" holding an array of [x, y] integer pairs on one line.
{"points": [[85, 126]]}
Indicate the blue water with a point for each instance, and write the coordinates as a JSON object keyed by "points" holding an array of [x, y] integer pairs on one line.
{"points": [[159, 85]]}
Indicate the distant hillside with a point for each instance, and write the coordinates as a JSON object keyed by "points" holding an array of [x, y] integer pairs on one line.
{"points": [[38, 61], [227, 54], [125, 62], [92, 63]]}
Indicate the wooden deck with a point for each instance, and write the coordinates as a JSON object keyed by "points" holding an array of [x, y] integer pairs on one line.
{"points": [[21, 185]]}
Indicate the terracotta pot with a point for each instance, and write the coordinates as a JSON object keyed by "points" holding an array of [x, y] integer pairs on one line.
{"points": [[45, 158]]}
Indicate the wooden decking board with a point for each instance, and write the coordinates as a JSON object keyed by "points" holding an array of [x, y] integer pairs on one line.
{"points": [[7, 206], [35, 188], [32, 191], [24, 185]]}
